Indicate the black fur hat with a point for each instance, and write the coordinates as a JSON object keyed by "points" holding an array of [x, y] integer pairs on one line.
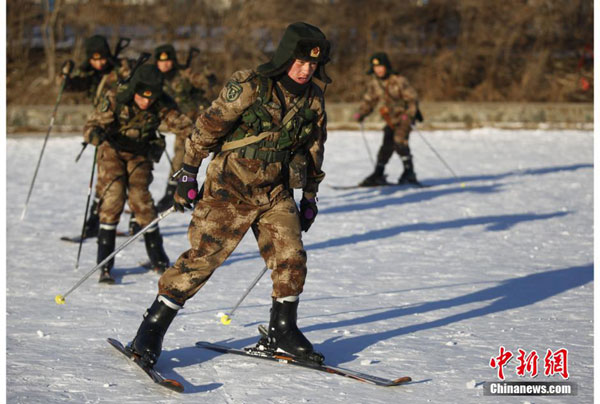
{"points": [[300, 41]]}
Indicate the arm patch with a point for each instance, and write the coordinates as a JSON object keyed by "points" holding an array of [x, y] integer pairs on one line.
{"points": [[104, 105], [234, 90]]}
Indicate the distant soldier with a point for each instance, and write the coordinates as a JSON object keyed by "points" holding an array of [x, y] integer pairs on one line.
{"points": [[399, 109], [268, 129], [124, 127], [100, 73], [189, 90]]}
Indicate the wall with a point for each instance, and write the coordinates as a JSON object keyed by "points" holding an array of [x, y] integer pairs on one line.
{"points": [[438, 115]]}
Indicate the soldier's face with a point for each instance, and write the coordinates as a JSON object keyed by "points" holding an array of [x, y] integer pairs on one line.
{"points": [[379, 70], [98, 64], [142, 102], [164, 65], [301, 71]]}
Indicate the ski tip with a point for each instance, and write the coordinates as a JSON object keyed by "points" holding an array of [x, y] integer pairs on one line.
{"points": [[172, 385], [402, 380]]}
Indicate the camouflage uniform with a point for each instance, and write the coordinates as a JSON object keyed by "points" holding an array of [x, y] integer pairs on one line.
{"points": [[268, 134], [127, 146], [241, 191], [96, 83], [189, 90], [399, 108]]}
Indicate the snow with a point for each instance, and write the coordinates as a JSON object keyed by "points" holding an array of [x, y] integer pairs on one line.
{"points": [[428, 282]]}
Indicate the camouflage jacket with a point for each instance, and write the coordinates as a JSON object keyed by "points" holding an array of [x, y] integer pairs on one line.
{"points": [[131, 129], [188, 89], [96, 83], [235, 179], [394, 92]]}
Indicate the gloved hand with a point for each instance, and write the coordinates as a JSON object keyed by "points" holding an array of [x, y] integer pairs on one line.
{"points": [[187, 188], [308, 212], [67, 67], [96, 137]]}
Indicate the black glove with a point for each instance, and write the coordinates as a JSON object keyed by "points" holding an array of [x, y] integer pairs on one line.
{"points": [[308, 212], [358, 117], [67, 68], [187, 188], [96, 137], [418, 116]]}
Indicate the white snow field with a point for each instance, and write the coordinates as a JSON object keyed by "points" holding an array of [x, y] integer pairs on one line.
{"points": [[427, 283]]}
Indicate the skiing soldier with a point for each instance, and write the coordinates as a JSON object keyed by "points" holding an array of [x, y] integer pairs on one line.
{"points": [[189, 91], [123, 128], [399, 110], [268, 129], [100, 72]]}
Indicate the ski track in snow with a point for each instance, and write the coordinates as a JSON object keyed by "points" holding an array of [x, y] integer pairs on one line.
{"points": [[421, 282]]}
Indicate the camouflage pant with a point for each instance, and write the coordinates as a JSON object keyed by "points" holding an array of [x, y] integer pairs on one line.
{"points": [[121, 174], [215, 231], [394, 140]]}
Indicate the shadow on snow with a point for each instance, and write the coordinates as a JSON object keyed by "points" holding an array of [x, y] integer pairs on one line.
{"points": [[491, 223], [510, 294]]}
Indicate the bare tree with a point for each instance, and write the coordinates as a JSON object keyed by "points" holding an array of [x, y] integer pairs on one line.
{"points": [[52, 11]]}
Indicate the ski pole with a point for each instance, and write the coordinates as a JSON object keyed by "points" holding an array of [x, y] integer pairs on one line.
{"points": [[362, 133], [462, 184], [87, 207], [60, 299], [169, 158], [37, 167], [81, 152], [226, 318]]}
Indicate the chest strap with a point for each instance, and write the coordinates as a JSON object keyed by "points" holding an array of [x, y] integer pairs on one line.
{"points": [[257, 138]]}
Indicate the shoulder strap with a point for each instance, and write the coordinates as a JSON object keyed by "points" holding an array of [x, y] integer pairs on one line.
{"points": [[265, 88], [100, 88]]}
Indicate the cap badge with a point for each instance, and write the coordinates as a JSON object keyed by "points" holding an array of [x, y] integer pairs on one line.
{"points": [[147, 93], [164, 56], [375, 62], [315, 52]]}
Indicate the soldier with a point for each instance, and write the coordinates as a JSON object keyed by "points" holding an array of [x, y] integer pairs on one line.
{"points": [[270, 128], [123, 128], [100, 72], [189, 91], [400, 107]]}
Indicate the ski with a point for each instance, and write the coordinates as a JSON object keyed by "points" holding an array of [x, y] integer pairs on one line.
{"points": [[389, 184], [289, 359], [105, 277], [77, 239], [146, 264], [150, 371]]}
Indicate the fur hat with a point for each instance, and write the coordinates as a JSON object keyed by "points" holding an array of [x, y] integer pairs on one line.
{"points": [[300, 41]]}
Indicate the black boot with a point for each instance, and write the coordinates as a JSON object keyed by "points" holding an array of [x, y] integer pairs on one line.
{"points": [[376, 178], [154, 247], [106, 245], [148, 340], [285, 335], [408, 176], [134, 226], [92, 223], [167, 200]]}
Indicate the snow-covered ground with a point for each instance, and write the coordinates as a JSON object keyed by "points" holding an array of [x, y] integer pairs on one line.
{"points": [[422, 282]]}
